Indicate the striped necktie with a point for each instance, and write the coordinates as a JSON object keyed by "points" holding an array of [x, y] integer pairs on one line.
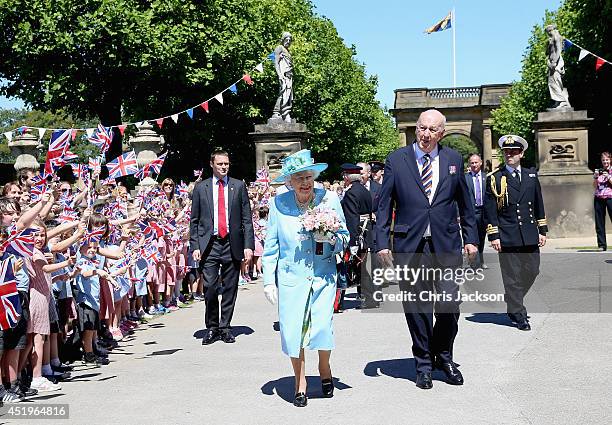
{"points": [[427, 174]]}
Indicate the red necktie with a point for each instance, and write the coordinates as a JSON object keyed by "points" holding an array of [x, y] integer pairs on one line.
{"points": [[221, 225]]}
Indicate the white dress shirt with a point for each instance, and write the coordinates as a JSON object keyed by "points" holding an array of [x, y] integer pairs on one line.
{"points": [[215, 190], [511, 171], [435, 177]]}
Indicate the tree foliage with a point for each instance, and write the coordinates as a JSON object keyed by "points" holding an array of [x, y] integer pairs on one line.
{"points": [[462, 144], [587, 23], [129, 60]]}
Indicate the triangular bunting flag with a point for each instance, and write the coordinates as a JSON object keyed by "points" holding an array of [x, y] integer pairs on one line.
{"points": [[247, 79], [219, 98], [599, 64], [139, 124], [259, 67], [9, 135], [233, 88], [204, 105], [567, 44], [122, 128], [174, 118], [74, 133], [190, 112], [160, 122], [272, 56], [582, 55], [89, 132], [41, 132]]}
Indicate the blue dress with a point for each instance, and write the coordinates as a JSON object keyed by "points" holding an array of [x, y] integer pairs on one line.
{"points": [[306, 281]]}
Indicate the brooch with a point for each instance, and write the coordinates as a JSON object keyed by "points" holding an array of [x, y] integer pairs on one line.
{"points": [[452, 169]]}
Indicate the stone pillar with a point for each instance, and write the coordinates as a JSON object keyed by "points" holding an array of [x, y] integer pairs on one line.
{"points": [[25, 148], [567, 183], [487, 147], [276, 140], [147, 144]]}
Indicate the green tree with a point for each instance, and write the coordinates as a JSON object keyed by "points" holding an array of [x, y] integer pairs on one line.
{"points": [[462, 144], [129, 60], [586, 23]]}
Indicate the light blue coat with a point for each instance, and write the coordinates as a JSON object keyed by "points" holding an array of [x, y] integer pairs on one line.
{"points": [[306, 281]]}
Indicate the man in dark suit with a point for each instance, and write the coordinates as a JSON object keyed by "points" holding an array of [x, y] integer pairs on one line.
{"points": [[425, 183], [516, 225], [476, 181], [221, 239], [357, 208]]}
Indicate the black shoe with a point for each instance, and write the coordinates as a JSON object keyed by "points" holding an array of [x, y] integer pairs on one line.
{"points": [[423, 380], [61, 368], [327, 387], [91, 358], [25, 390], [365, 305], [523, 325], [300, 400], [453, 375], [227, 337], [211, 336]]}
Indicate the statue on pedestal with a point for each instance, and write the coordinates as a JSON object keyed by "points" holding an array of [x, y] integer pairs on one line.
{"points": [[556, 68], [284, 69]]}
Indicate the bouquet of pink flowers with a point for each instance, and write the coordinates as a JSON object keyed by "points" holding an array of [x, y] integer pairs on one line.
{"points": [[322, 222]]}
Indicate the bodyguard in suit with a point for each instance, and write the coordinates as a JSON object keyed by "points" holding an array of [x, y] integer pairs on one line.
{"points": [[516, 225], [476, 181], [425, 183], [221, 239], [357, 208]]}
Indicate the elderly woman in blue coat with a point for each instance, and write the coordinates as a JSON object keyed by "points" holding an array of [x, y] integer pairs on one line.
{"points": [[301, 272]]}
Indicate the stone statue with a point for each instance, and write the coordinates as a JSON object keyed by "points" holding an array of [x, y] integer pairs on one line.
{"points": [[284, 70], [556, 68]]}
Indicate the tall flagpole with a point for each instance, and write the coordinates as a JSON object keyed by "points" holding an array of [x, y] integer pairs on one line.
{"points": [[453, 24]]}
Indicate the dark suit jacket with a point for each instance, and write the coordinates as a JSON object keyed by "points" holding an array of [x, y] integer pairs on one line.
{"points": [[520, 221], [470, 183], [356, 201], [403, 188], [202, 224], [374, 191]]}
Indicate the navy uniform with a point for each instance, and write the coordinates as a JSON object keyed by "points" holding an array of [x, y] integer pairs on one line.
{"points": [[515, 215], [357, 208]]}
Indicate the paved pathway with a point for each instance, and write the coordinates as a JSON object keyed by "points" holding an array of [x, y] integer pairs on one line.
{"points": [[559, 373]]}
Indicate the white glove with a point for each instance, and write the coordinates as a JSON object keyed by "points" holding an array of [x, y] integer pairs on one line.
{"points": [[271, 293], [354, 250]]}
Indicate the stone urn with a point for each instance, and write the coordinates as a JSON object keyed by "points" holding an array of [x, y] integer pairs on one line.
{"points": [[25, 147], [147, 144]]}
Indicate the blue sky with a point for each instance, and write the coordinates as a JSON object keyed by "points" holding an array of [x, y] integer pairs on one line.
{"points": [[491, 37]]}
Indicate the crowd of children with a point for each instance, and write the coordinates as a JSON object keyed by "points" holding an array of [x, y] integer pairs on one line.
{"points": [[82, 265]]}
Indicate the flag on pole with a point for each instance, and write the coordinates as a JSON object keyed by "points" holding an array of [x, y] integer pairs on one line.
{"points": [[102, 138], [444, 24], [10, 305], [60, 142]]}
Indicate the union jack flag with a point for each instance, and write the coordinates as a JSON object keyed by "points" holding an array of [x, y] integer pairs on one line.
{"points": [[102, 138], [151, 254], [182, 189], [95, 234], [262, 177], [60, 142], [69, 156], [157, 164], [123, 165], [95, 164], [144, 172], [79, 170], [68, 215], [39, 180], [37, 191], [20, 244], [10, 304], [197, 173]]}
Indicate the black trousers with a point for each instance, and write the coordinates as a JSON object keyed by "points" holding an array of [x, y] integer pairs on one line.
{"points": [[519, 268], [482, 233], [600, 206], [431, 340], [221, 273]]}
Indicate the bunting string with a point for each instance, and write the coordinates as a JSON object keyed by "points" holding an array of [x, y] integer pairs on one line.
{"points": [[599, 61], [205, 105]]}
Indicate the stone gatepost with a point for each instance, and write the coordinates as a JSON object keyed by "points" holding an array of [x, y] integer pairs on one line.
{"points": [[24, 148], [567, 182], [276, 140], [147, 144]]}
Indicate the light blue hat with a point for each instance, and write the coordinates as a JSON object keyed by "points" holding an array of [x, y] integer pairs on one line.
{"points": [[298, 162]]}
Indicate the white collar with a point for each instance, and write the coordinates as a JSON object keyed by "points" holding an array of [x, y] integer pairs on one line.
{"points": [[420, 154]]}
